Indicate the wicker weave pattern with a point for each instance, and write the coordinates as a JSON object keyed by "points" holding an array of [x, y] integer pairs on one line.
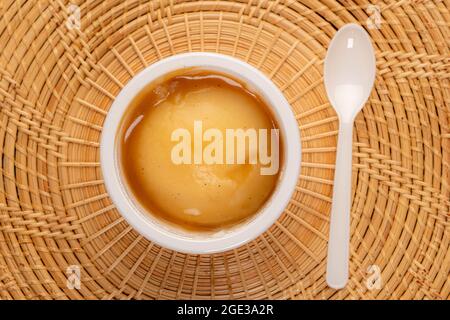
{"points": [[56, 86]]}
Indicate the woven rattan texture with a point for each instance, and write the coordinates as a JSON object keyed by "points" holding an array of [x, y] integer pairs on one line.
{"points": [[57, 84]]}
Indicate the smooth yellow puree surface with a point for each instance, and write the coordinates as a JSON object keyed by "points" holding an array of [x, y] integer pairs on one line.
{"points": [[193, 196]]}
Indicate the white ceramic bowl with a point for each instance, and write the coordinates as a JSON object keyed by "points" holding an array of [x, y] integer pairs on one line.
{"points": [[164, 234]]}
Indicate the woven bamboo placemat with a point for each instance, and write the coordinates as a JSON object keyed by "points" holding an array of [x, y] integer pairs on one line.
{"points": [[57, 82]]}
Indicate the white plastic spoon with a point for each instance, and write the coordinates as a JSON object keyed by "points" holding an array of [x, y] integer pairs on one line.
{"points": [[349, 76]]}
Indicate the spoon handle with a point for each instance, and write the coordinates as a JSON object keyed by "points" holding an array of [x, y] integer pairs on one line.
{"points": [[338, 245]]}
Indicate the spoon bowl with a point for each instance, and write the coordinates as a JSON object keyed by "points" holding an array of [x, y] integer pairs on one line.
{"points": [[349, 73], [349, 70]]}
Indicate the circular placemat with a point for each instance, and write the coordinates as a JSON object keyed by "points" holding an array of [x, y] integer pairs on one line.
{"points": [[61, 236]]}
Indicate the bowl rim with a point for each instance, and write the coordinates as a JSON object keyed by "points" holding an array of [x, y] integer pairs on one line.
{"points": [[147, 225]]}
